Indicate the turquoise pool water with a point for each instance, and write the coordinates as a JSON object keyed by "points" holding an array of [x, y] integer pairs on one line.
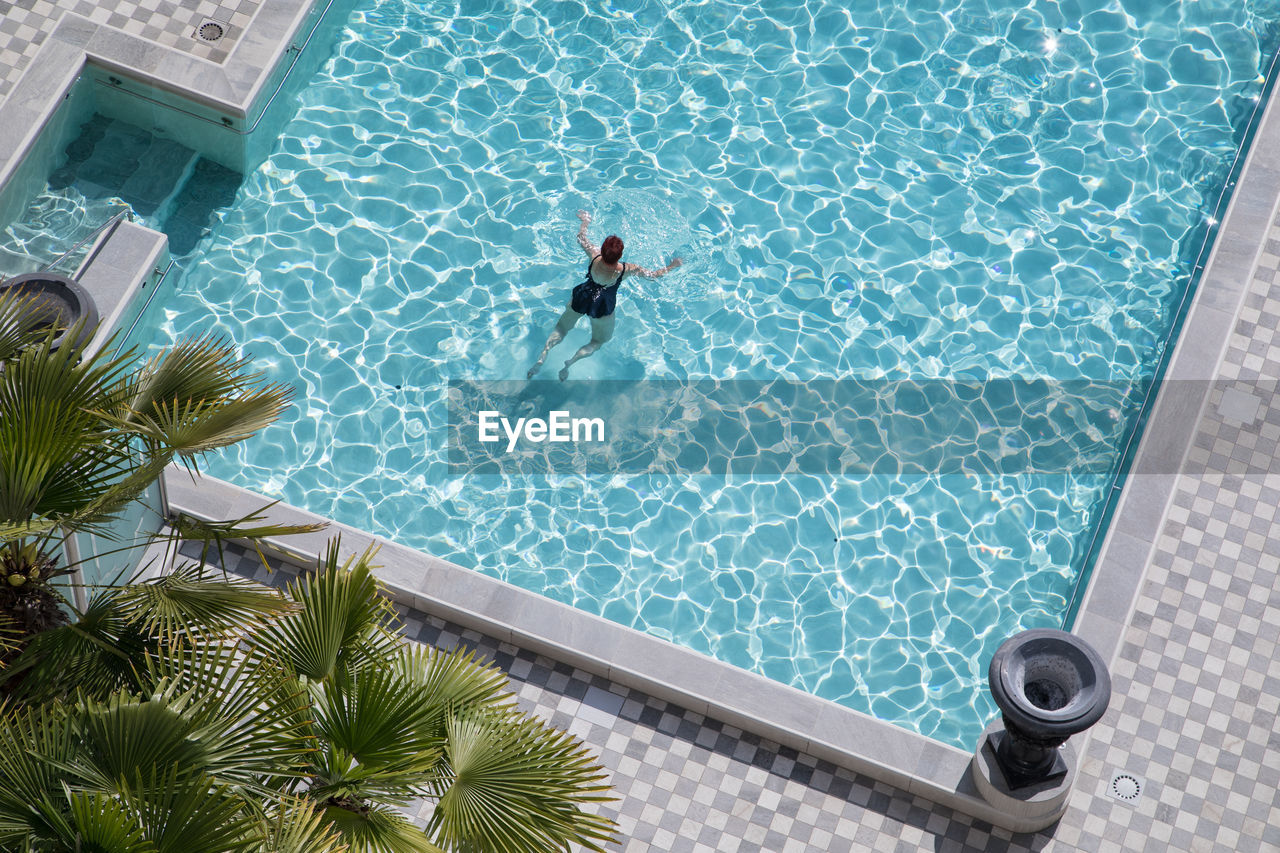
{"points": [[908, 190]]}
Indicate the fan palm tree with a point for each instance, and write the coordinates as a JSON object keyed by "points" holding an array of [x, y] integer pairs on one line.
{"points": [[82, 434], [244, 719], [198, 712]]}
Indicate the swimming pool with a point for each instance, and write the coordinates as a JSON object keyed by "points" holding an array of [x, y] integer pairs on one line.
{"points": [[904, 192]]}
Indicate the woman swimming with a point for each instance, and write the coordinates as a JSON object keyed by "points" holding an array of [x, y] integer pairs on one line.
{"points": [[596, 296]]}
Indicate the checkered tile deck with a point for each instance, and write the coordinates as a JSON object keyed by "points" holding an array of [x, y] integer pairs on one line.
{"points": [[24, 24]]}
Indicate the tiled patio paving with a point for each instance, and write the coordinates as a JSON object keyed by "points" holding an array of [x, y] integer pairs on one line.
{"points": [[24, 24]]}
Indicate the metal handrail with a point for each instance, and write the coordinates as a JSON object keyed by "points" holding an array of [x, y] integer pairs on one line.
{"points": [[110, 223]]}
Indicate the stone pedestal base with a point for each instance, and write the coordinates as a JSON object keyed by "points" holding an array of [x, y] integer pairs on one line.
{"points": [[1028, 809]]}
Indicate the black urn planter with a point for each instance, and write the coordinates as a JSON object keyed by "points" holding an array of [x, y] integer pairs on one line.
{"points": [[1049, 685], [56, 300]]}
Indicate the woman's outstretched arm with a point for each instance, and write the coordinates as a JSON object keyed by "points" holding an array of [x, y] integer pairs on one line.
{"points": [[587, 245], [636, 269]]}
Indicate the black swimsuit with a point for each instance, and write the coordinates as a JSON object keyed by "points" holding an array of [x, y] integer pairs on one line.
{"points": [[595, 299]]}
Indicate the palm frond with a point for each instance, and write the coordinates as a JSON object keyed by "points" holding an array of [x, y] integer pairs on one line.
{"points": [[10, 635], [69, 426], [34, 743], [453, 681], [251, 715], [93, 655], [54, 453], [183, 811], [235, 717], [516, 785], [334, 774], [196, 397], [15, 530], [297, 825], [102, 824], [127, 733], [17, 331], [374, 715], [191, 427], [243, 529], [375, 742], [187, 601], [118, 488], [377, 829], [344, 623], [204, 368]]}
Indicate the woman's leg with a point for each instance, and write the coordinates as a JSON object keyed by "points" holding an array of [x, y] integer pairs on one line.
{"points": [[601, 331], [567, 321]]}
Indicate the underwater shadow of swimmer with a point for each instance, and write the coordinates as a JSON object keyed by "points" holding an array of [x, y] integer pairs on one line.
{"points": [[611, 363], [536, 397]]}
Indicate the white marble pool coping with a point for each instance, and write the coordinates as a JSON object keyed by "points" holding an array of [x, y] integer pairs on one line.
{"points": [[122, 273]]}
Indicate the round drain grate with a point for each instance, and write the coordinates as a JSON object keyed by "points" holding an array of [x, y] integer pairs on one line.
{"points": [[1125, 787], [210, 31]]}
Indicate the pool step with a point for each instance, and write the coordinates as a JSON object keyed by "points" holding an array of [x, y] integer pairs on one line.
{"points": [[198, 208], [50, 225], [115, 159], [109, 162], [170, 186], [153, 191]]}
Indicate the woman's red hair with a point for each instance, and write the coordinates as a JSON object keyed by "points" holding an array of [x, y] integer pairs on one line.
{"points": [[611, 249]]}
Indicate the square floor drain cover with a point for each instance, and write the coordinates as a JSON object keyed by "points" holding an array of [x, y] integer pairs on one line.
{"points": [[1126, 787]]}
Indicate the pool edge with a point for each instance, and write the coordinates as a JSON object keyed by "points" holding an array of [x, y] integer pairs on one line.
{"points": [[1137, 524], [909, 761], [845, 737]]}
